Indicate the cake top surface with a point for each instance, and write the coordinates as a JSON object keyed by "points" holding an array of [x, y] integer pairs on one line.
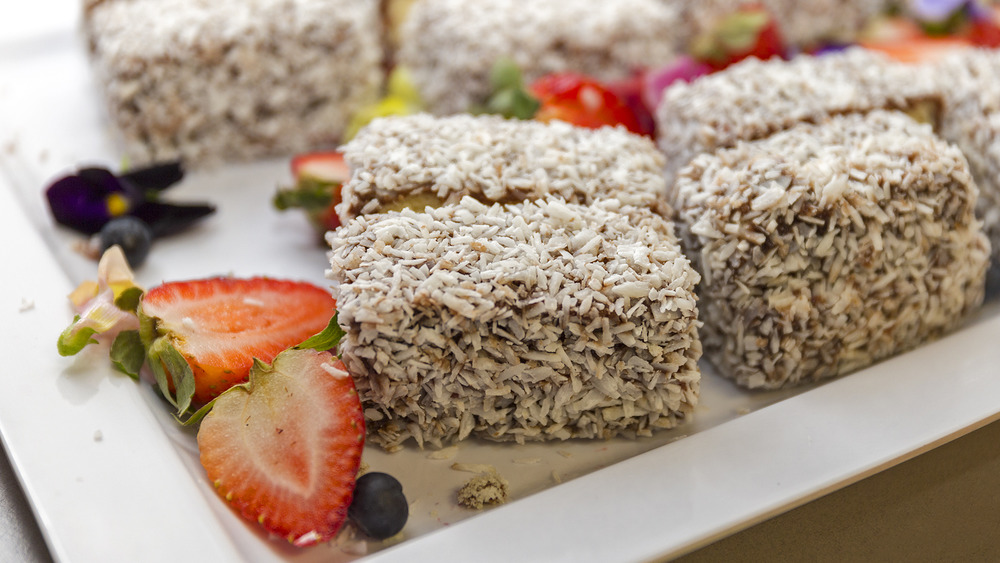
{"points": [[755, 98], [496, 159], [148, 28]]}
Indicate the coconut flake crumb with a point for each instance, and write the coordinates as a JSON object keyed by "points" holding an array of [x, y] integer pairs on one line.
{"points": [[484, 489], [474, 467], [98, 436], [306, 538], [333, 370], [527, 460], [26, 305], [443, 453]]}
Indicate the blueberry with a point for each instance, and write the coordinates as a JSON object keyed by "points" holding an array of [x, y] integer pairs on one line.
{"points": [[133, 235], [379, 508]]}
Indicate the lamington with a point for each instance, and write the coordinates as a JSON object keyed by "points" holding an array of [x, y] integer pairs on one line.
{"points": [[451, 46], [971, 120], [830, 246], [423, 159], [542, 320], [214, 80], [753, 99]]}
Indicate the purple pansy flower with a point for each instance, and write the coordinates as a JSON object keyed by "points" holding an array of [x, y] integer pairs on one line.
{"points": [[87, 200]]}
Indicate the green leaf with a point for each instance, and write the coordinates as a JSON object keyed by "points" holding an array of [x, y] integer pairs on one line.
{"points": [[159, 373], [505, 75], [513, 103], [182, 375], [309, 194], [127, 353], [328, 339], [508, 96], [129, 299], [74, 339], [147, 329], [166, 361]]}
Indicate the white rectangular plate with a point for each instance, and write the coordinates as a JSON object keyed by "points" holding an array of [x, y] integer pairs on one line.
{"points": [[111, 477]]}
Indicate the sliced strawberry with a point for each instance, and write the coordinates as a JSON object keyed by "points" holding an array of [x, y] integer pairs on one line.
{"points": [[220, 325], [326, 167], [582, 101], [919, 49], [318, 180], [631, 92], [984, 32], [285, 449], [751, 31]]}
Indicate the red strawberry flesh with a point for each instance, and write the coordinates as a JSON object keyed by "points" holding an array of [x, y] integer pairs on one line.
{"points": [[325, 166], [285, 449], [581, 101], [220, 325]]}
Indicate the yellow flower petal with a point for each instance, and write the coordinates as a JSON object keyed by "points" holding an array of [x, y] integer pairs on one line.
{"points": [[83, 293]]}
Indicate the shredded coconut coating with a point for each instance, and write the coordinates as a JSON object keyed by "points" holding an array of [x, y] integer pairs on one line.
{"points": [[450, 46], [213, 80], [828, 247], [971, 120], [497, 160], [536, 321], [801, 23], [753, 99]]}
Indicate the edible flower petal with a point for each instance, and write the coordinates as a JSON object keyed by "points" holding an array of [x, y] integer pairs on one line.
{"points": [[90, 198], [936, 10], [104, 308], [93, 196], [401, 98], [684, 68], [939, 17]]}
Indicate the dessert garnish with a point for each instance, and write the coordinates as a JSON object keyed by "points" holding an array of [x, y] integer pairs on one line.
{"points": [[203, 336], [582, 101], [379, 508], [129, 233], [318, 177], [199, 337], [281, 427], [92, 197], [284, 448], [567, 96], [401, 98], [508, 96], [104, 308], [750, 31]]}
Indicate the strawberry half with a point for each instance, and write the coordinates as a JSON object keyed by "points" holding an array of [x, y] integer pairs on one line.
{"points": [[581, 101], [216, 327], [318, 180], [285, 448]]}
